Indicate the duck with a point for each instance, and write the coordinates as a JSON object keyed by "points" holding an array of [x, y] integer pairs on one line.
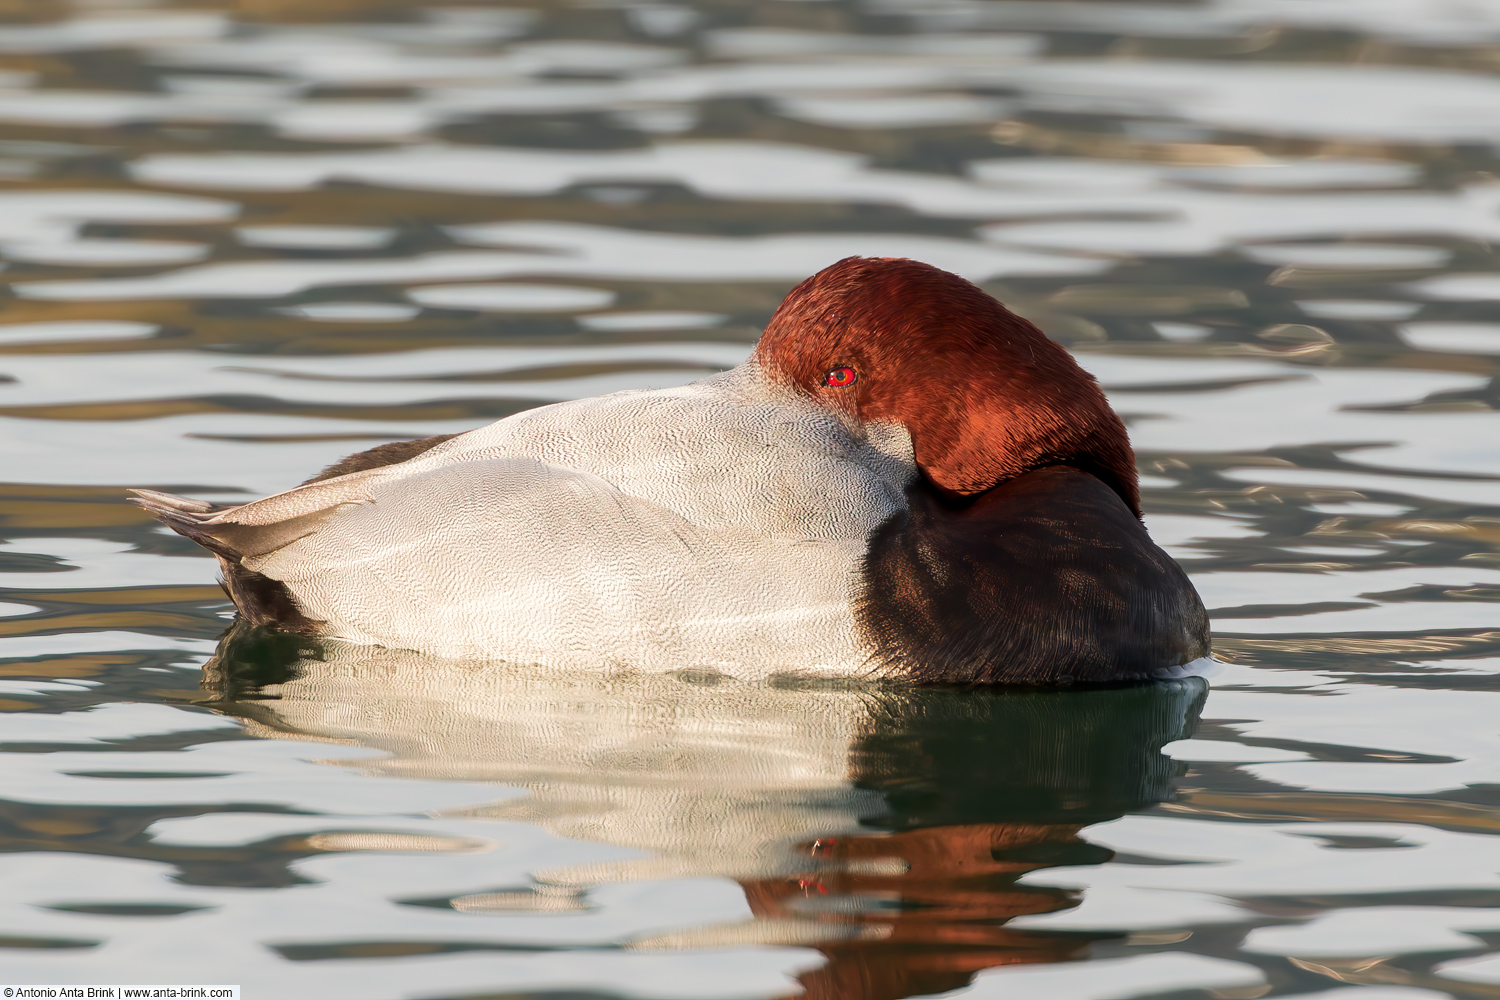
{"points": [[904, 480]]}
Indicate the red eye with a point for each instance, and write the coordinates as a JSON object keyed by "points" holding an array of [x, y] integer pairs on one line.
{"points": [[839, 377]]}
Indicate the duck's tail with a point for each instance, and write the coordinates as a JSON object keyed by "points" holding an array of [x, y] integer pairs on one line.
{"points": [[185, 516], [260, 599]]}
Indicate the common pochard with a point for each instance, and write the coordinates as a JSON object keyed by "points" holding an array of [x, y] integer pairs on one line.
{"points": [[904, 479]]}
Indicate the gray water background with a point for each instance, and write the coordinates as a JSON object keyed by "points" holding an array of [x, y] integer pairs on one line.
{"points": [[245, 238]]}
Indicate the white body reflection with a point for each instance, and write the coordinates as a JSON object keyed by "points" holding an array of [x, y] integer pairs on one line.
{"points": [[885, 826]]}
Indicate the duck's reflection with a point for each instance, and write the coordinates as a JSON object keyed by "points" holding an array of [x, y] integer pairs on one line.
{"points": [[886, 827]]}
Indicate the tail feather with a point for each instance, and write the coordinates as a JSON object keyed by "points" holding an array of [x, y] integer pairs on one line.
{"points": [[186, 517], [260, 599], [155, 502]]}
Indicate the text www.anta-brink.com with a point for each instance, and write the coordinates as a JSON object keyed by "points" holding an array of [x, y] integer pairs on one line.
{"points": [[120, 992]]}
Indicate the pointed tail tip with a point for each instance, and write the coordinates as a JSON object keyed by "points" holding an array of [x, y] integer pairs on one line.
{"points": [[189, 518], [170, 504], [182, 514]]}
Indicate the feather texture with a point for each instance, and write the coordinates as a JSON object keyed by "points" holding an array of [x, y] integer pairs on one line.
{"points": [[722, 524]]}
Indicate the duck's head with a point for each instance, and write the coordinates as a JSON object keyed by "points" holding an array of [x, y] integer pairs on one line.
{"points": [[985, 396]]}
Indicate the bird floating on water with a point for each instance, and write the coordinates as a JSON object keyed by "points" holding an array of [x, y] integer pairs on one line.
{"points": [[905, 479]]}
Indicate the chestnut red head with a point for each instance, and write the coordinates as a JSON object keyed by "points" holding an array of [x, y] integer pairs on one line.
{"points": [[984, 394]]}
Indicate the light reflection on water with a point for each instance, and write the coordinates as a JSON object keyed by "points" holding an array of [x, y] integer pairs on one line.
{"points": [[242, 243]]}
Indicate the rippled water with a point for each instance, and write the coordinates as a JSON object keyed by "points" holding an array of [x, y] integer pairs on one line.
{"points": [[243, 239]]}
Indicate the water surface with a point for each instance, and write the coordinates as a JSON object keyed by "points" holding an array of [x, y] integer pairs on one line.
{"points": [[244, 239]]}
